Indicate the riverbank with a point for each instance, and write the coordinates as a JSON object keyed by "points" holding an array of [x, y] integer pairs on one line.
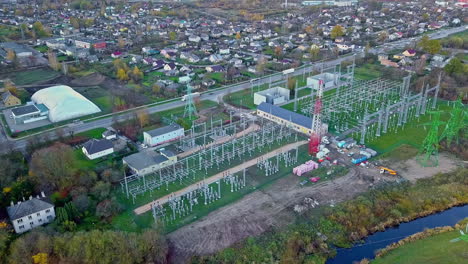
{"points": [[316, 234], [430, 246]]}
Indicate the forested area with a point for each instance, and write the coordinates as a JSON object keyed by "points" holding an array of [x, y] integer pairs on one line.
{"points": [[312, 238], [100, 247]]}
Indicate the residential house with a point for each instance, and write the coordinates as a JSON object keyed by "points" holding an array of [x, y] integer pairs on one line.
{"points": [[163, 135], [9, 99], [207, 83], [194, 38], [97, 148], [116, 54], [171, 66], [409, 53], [215, 58], [26, 215], [184, 79], [214, 68], [224, 51]]}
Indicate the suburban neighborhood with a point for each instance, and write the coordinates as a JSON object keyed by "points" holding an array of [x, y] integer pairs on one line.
{"points": [[214, 131]]}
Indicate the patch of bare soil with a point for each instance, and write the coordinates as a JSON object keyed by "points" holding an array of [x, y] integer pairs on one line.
{"points": [[256, 213], [92, 79], [412, 170]]}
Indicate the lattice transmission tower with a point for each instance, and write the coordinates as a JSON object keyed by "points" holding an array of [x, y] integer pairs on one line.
{"points": [[190, 109], [455, 123], [316, 135], [428, 155]]}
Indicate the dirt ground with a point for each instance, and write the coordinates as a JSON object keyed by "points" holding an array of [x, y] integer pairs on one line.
{"points": [[256, 213], [260, 211], [412, 171]]}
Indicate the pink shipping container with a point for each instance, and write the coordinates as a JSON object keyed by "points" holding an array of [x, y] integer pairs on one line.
{"points": [[306, 167]]}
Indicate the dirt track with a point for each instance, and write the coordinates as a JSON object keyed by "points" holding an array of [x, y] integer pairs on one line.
{"points": [[262, 210]]}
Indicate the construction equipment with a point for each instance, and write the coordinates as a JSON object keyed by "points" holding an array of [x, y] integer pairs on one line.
{"points": [[387, 170]]}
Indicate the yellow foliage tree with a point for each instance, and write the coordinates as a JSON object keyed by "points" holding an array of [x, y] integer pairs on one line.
{"points": [[40, 258], [337, 31], [143, 118], [122, 75]]}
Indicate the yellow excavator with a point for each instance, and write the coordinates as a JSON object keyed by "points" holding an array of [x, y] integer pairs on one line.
{"points": [[387, 170]]}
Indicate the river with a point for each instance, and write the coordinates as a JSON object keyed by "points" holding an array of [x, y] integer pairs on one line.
{"points": [[382, 239]]}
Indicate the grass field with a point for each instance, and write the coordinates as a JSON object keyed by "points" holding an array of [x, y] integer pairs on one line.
{"points": [[413, 133], [433, 250], [367, 72], [93, 133], [33, 76]]}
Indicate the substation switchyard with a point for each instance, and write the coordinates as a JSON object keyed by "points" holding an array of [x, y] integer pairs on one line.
{"points": [[217, 159]]}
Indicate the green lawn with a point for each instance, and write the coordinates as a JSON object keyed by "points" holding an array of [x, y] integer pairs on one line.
{"points": [[42, 48], [433, 250], [400, 153], [82, 161], [33, 76], [244, 98], [217, 76], [412, 133], [367, 72], [104, 103], [93, 133]]}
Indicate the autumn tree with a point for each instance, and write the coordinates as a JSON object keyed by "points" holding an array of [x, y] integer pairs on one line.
{"points": [[53, 61], [172, 35], [238, 35], [383, 35], [53, 167], [136, 74], [75, 22], [122, 75], [278, 51], [121, 42], [314, 52], [309, 29], [143, 117], [336, 32], [11, 55], [156, 88], [261, 63]]}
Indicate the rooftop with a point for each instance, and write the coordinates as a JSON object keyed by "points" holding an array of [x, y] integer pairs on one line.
{"points": [[24, 110], [97, 145], [282, 113], [26, 208], [144, 159], [163, 130]]}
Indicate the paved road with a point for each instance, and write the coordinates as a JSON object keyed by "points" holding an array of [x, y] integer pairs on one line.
{"points": [[400, 44], [20, 144]]}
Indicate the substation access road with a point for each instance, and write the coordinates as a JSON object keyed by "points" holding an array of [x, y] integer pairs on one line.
{"points": [[161, 201]]}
